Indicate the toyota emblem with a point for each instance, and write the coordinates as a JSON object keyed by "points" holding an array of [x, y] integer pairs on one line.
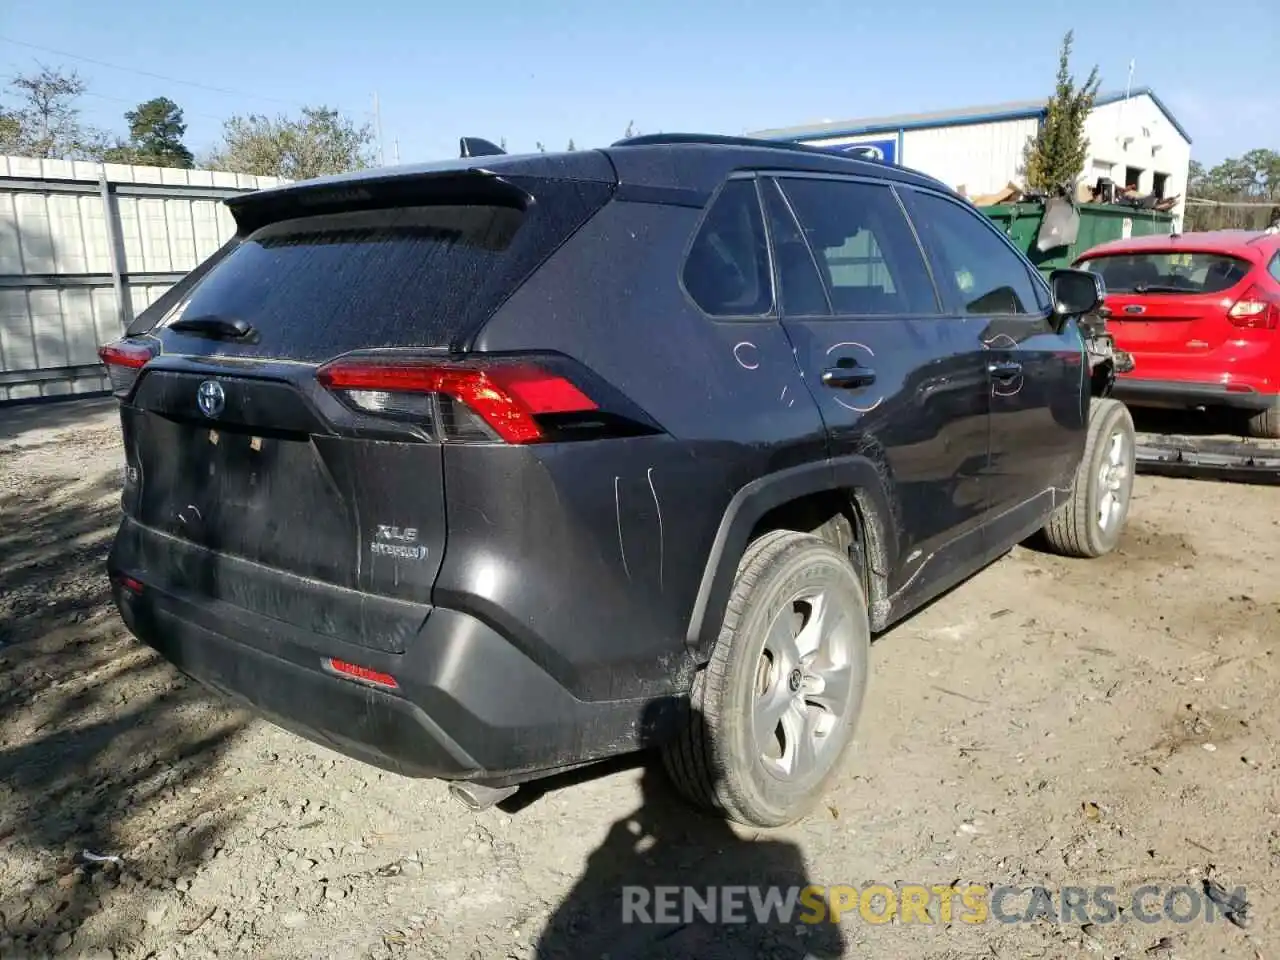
{"points": [[211, 398]]}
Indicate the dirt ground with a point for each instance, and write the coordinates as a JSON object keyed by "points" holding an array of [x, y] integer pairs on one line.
{"points": [[1050, 722]]}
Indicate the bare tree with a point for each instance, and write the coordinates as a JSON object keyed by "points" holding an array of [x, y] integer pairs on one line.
{"points": [[46, 121], [319, 142]]}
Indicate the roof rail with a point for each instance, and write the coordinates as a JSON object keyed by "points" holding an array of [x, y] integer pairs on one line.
{"points": [[845, 150], [715, 139]]}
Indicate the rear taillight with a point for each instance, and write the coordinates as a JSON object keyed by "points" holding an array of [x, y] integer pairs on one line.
{"points": [[123, 361], [498, 400], [1256, 310]]}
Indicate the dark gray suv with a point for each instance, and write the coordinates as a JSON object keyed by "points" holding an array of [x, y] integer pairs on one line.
{"points": [[488, 469]]}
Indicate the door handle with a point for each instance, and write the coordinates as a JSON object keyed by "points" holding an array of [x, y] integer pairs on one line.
{"points": [[1004, 369], [848, 378]]}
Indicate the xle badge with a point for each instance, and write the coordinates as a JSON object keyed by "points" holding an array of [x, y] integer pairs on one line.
{"points": [[398, 542]]}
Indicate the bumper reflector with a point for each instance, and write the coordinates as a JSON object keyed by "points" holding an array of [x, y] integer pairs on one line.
{"points": [[129, 583], [357, 672]]}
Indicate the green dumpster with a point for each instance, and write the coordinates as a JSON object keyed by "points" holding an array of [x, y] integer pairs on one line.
{"points": [[1099, 222]]}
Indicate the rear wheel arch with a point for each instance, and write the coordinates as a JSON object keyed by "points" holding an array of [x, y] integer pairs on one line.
{"points": [[843, 501]]}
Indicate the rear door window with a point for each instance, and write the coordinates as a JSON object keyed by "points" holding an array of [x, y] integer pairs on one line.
{"points": [[864, 246], [801, 292], [975, 265], [1170, 272], [727, 270], [1274, 267]]}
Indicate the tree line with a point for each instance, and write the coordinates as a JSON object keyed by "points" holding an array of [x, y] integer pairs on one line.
{"points": [[1251, 179], [40, 117]]}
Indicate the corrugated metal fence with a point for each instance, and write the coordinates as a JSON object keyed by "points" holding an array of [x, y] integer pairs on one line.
{"points": [[83, 248]]}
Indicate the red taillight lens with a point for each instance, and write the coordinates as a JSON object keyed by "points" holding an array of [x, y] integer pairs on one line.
{"points": [[357, 672], [496, 400], [1256, 310], [123, 361]]}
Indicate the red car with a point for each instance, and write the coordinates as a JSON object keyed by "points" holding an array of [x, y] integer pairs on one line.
{"points": [[1200, 314]]}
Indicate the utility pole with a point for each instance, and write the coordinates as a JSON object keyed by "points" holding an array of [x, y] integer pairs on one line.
{"points": [[395, 151], [377, 126], [1124, 104]]}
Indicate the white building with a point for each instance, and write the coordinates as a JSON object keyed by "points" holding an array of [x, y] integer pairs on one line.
{"points": [[1134, 140]]}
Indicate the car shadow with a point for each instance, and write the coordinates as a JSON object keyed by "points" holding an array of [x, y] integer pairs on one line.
{"points": [[102, 744], [1213, 422], [659, 885], [18, 418]]}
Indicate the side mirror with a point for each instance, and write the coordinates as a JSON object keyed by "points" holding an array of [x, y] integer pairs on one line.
{"points": [[1076, 292]]}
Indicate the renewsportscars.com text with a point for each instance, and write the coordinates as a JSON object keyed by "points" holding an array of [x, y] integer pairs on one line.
{"points": [[921, 904]]}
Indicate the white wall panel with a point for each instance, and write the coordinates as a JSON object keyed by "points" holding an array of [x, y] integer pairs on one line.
{"points": [[1136, 133], [58, 231], [17, 340], [981, 157]]}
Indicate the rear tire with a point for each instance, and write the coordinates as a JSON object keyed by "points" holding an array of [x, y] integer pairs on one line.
{"points": [[1266, 425], [1090, 522], [775, 709]]}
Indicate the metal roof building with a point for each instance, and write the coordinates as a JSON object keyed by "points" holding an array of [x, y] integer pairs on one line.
{"points": [[1134, 139]]}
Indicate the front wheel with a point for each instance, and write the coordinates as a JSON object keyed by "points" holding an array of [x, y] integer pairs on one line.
{"points": [[775, 709], [1089, 523]]}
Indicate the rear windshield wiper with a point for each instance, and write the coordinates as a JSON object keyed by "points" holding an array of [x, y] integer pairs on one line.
{"points": [[1159, 288], [212, 325]]}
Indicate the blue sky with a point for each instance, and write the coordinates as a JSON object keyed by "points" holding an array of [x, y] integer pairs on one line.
{"points": [[549, 71]]}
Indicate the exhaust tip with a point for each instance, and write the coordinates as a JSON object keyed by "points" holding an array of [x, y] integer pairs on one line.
{"points": [[477, 796]]}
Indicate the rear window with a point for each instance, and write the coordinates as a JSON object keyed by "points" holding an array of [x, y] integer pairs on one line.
{"points": [[1169, 272], [424, 275]]}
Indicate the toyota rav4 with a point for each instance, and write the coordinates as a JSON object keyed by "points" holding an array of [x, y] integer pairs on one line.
{"points": [[489, 469]]}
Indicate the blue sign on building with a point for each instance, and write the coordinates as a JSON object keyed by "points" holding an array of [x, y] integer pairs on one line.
{"points": [[885, 151]]}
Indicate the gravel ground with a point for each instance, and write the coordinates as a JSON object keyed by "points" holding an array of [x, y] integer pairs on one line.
{"points": [[1049, 722]]}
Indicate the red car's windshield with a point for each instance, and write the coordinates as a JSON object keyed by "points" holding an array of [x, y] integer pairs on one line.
{"points": [[1171, 271]]}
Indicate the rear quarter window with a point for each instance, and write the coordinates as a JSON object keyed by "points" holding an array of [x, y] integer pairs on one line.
{"points": [[1169, 272], [727, 270]]}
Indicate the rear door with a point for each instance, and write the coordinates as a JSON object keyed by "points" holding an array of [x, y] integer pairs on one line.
{"points": [[254, 480], [896, 381], [1037, 375]]}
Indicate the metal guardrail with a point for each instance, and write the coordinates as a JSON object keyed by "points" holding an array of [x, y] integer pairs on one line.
{"points": [[1232, 460]]}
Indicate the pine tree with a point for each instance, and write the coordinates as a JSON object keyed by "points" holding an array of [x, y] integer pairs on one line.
{"points": [[1055, 159], [571, 147], [156, 128]]}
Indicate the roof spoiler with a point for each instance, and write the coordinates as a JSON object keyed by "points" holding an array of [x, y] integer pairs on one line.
{"points": [[477, 147]]}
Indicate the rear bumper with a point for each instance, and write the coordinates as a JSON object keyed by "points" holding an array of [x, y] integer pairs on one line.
{"points": [[1175, 393], [468, 704]]}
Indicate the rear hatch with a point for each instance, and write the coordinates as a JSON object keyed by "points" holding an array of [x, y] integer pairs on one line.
{"points": [[263, 476], [1173, 301]]}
